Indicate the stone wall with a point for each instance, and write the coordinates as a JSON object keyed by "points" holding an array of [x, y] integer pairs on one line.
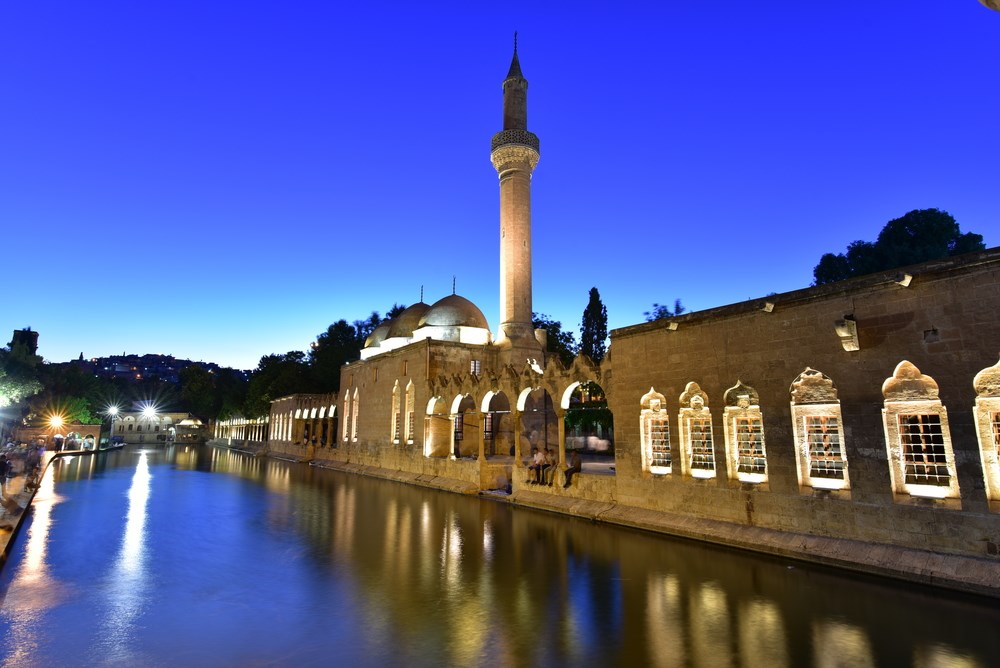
{"points": [[944, 321]]}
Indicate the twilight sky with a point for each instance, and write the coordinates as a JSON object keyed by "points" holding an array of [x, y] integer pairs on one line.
{"points": [[221, 181]]}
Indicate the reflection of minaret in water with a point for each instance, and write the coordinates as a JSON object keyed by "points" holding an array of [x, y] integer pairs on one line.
{"points": [[514, 155]]}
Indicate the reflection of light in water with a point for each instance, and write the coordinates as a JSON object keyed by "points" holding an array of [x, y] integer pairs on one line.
{"points": [[487, 541], [451, 553], [838, 644], [942, 656], [762, 634], [33, 591], [709, 626], [663, 621], [127, 580]]}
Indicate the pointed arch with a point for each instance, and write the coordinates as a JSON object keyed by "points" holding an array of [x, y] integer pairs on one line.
{"points": [[819, 436], [918, 438], [694, 423], [744, 423]]}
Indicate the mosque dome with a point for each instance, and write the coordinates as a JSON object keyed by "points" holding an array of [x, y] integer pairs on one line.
{"points": [[378, 335], [402, 326], [454, 311]]}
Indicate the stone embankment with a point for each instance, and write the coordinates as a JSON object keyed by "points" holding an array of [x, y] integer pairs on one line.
{"points": [[18, 494]]}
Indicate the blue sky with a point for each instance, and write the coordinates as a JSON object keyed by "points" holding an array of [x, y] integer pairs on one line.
{"points": [[220, 181]]}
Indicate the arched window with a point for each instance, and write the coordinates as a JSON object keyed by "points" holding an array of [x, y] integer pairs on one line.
{"points": [[396, 423], [819, 436], [654, 426], [354, 416], [695, 424], [410, 413], [347, 415], [918, 441], [987, 384], [745, 434]]}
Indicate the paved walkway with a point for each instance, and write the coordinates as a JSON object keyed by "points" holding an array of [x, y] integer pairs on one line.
{"points": [[17, 496]]}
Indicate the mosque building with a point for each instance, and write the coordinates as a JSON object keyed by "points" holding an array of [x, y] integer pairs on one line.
{"points": [[855, 424]]}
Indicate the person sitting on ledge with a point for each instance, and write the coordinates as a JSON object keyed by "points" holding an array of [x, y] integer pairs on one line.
{"points": [[575, 466], [549, 468], [535, 468]]}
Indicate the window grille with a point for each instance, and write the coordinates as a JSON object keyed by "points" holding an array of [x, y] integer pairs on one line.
{"points": [[475, 366], [995, 423], [395, 426], [750, 445], [659, 442], [922, 443], [488, 426], [459, 426], [702, 449], [826, 454], [409, 426]]}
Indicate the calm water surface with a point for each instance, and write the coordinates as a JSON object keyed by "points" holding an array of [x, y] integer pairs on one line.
{"points": [[206, 557]]}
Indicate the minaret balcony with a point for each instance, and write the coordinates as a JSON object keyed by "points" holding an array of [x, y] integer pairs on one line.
{"points": [[520, 137]]}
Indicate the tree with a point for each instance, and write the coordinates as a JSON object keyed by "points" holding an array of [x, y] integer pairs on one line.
{"points": [[560, 343], [594, 328], [918, 236], [663, 311], [276, 376], [334, 348], [198, 392]]}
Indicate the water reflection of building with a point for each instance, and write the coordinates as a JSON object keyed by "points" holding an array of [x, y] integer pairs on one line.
{"points": [[814, 423]]}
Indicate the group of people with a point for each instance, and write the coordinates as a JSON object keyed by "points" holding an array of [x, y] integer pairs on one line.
{"points": [[543, 467], [30, 455]]}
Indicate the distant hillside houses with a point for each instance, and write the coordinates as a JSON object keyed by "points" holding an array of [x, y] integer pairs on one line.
{"points": [[140, 367]]}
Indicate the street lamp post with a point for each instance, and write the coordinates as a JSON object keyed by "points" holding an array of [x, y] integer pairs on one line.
{"points": [[112, 413]]}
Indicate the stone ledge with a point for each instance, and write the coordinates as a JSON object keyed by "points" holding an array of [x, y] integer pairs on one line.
{"points": [[421, 479]]}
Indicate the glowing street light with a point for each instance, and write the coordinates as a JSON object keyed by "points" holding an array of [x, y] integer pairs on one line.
{"points": [[112, 412]]}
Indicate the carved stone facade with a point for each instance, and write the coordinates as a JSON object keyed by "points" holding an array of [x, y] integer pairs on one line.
{"points": [[825, 438]]}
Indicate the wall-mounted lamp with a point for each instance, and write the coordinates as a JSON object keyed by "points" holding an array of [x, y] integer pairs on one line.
{"points": [[903, 279], [847, 331]]}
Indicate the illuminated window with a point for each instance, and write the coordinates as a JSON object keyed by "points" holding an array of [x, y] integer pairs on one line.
{"points": [[410, 413], [745, 434], [654, 428], [816, 420], [347, 416], [354, 416], [918, 441], [750, 445], [695, 424], [922, 445], [475, 366], [987, 385], [396, 426], [488, 426], [459, 426]]}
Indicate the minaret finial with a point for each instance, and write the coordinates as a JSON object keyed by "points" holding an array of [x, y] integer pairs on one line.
{"points": [[515, 41], [421, 293], [453, 284]]}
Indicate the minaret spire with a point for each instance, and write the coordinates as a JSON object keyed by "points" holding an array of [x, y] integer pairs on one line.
{"points": [[514, 155]]}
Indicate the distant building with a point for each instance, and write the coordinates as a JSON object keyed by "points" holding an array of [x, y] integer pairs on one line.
{"points": [[26, 339]]}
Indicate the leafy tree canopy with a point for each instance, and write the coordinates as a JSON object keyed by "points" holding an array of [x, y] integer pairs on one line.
{"points": [[663, 311], [918, 236], [561, 343]]}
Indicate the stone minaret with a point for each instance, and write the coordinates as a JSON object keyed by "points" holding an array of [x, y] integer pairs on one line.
{"points": [[514, 155]]}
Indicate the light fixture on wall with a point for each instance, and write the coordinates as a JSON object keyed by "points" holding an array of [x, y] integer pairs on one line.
{"points": [[903, 279], [847, 331]]}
